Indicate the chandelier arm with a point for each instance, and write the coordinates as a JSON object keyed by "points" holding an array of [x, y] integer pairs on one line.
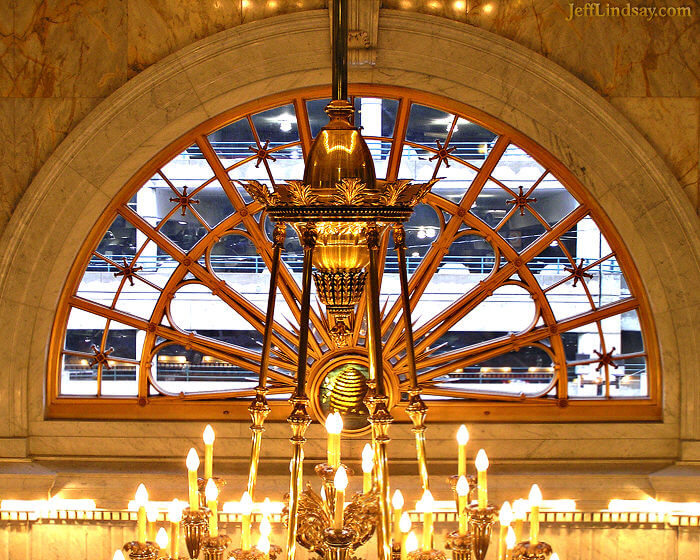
{"points": [[380, 417], [400, 245], [278, 242], [416, 408], [259, 409]]}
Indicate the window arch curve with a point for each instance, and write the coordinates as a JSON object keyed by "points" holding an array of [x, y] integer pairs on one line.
{"points": [[522, 291]]}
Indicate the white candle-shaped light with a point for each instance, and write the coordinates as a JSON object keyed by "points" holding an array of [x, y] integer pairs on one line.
{"points": [[367, 467], [411, 543], [246, 511], [141, 500], [505, 516], [151, 518], [519, 514], [462, 493], [118, 555], [397, 503], [334, 425], [405, 527], [510, 541], [462, 439], [208, 437], [211, 493], [265, 526], [341, 483], [264, 545], [192, 466], [428, 504], [174, 517], [535, 499], [162, 540], [482, 464], [554, 556]]}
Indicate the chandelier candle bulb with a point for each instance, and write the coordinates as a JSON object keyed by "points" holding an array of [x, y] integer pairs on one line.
{"points": [[554, 556], [462, 440], [519, 514], [192, 466], [162, 540], [141, 499], [174, 517], [151, 518], [211, 493], [341, 483], [208, 437], [482, 464], [510, 541], [367, 467], [462, 494], [405, 527], [264, 546], [397, 502], [505, 517], [535, 499], [247, 511], [411, 543], [428, 504], [118, 555], [334, 425]]}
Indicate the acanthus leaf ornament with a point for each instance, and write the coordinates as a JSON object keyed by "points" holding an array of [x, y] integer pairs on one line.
{"points": [[260, 193], [393, 192], [350, 192], [301, 194]]}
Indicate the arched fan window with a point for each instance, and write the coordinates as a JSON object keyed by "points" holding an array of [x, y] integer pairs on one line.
{"points": [[526, 304]]}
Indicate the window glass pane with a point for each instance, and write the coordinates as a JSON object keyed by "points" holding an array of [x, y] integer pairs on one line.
{"points": [[277, 126], [233, 141], [471, 142], [426, 125]]}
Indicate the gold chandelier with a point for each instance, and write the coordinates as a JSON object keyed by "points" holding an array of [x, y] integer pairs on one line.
{"points": [[340, 212]]}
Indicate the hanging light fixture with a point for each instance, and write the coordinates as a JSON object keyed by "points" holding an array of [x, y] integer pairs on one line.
{"points": [[339, 212]]}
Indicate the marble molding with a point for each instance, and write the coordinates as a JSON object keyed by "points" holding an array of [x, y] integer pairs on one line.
{"points": [[97, 541]]}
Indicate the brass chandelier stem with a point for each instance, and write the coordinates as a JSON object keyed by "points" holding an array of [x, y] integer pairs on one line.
{"points": [[416, 408], [259, 409], [340, 49], [380, 417], [299, 419]]}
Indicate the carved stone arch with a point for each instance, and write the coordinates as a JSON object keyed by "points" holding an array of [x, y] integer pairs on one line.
{"points": [[553, 108]]}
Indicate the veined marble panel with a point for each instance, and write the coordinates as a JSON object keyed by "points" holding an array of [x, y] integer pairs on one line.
{"points": [[258, 9], [615, 55], [40, 126], [11, 189], [157, 28], [676, 140], [7, 48], [69, 49]]}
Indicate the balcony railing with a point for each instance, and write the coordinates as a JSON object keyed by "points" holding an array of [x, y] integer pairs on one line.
{"points": [[475, 264]]}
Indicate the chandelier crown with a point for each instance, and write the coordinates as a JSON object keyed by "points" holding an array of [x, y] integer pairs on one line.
{"points": [[338, 154]]}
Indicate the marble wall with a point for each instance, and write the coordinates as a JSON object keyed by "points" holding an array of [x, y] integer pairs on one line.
{"points": [[59, 59]]}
